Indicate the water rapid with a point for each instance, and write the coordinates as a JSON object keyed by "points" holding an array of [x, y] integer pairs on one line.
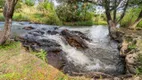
{"points": [[82, 49]]}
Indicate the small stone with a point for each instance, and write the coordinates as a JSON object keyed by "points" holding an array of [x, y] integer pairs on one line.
{"points": [[137, 78], [117, 78], [131, 58], [28, 28]]}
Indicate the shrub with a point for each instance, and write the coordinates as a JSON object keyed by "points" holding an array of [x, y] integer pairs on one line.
{"points": [[20, 17], [53, 20], [1, 17], [50, 16], [74, 13], [2, 3], [30, 2]]}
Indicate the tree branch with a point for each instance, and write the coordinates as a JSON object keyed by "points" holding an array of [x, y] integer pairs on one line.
{"points": [[123, 13]]}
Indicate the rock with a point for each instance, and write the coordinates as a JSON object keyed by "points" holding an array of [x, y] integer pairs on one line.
{"points": [[74, 40], [131, 48], [117, 78], [54, 41], [137, 78], [117, 35], [52, 32], [134, 78], [124, 48], [28, 28], [131, 64], [47, 42], [56, 60], [131, 58], [83, 36]]}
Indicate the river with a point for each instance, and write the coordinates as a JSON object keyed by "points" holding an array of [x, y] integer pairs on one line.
{"points": [[102, 54]]}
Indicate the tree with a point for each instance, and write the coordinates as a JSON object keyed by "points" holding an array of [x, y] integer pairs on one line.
{"points": [[111, 10], [8, 13]]}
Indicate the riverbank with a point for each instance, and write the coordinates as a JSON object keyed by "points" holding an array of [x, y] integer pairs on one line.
{"points": [[17, 64], [41, 18]]}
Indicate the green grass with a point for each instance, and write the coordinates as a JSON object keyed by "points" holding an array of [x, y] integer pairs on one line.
{"points": [[18, 64], [1, 17], [132, 46], [100, 23], [42, 55]]}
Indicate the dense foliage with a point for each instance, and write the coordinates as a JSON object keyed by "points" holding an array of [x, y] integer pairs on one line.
{"points": [[75, 12], [30, 2], [2, 3], [70, 12]]}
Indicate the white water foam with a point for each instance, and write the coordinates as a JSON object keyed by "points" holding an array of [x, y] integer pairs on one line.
{"points": [[72, 54], [78, 57]]}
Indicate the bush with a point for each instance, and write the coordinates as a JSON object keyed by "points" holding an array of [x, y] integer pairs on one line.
{"points": [[53, 20], [30, 2], [45, 6], [74, 13], [50, 16], [2, 3], [1, 17], [20, 17]]}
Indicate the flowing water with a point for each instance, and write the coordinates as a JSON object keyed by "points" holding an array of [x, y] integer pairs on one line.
{"points": [[101, 56]]}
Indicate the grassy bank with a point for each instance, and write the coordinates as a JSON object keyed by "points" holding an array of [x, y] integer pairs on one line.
{"points": [[42, 19], [35, 15], [18, 64]]}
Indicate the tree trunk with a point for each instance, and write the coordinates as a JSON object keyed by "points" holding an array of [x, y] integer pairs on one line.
{"points": [[138, 20], [7, 29], [112, 28], [134, 25], [8, 13]]}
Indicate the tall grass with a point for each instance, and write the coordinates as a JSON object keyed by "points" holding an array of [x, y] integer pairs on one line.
{"points": [[42, 55]]}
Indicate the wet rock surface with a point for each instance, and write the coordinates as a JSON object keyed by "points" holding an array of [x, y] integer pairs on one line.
{"points": [[75, 39], [36, 40], [28, 27], [74, 52]]}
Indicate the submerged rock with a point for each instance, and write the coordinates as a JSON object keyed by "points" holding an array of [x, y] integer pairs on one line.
{"points": [[28, 28]]}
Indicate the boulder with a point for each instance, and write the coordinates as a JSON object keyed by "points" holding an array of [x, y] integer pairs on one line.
{"points": [[28, 28], [74, 40]]}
